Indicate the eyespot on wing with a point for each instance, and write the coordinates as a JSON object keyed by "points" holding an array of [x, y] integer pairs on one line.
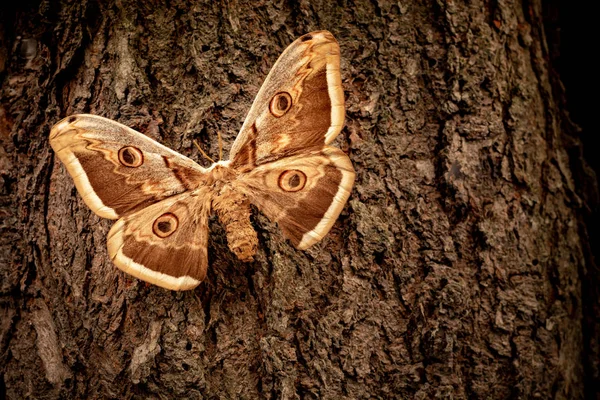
{"points": [[130, 156]]}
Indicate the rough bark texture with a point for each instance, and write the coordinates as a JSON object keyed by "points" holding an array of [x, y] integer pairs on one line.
{"points": [[455, 270]]}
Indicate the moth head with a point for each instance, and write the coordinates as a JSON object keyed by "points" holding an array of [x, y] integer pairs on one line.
{"points": [[131, 156], [280, 104], [292, 180]]}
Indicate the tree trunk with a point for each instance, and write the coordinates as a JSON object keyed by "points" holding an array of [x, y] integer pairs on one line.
{"points": [[455, 270]]}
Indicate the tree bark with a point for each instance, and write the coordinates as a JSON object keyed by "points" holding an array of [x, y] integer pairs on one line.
{"points": [[455, 270]]}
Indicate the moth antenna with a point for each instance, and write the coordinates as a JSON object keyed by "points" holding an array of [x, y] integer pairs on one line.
{"points": [[220, 146], [203, 153]]}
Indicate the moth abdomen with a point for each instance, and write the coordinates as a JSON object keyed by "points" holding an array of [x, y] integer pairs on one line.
{"points": [[233, 209]]}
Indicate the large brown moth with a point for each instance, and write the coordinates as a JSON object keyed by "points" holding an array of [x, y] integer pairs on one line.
{"points": [[280, 162]]}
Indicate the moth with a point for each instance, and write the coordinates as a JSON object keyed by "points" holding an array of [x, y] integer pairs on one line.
{"points": [[280, 161]]}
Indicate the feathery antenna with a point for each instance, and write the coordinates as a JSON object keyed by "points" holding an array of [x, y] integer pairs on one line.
{"points": [[204, 154], [220, 146]]}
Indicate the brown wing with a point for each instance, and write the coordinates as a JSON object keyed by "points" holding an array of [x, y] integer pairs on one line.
{"points": [[300, 105], [116, 169], [164, 243], [304, 193]]}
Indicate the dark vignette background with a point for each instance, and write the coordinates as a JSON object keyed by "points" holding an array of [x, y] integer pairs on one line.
{"points": [[571, 30]]}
